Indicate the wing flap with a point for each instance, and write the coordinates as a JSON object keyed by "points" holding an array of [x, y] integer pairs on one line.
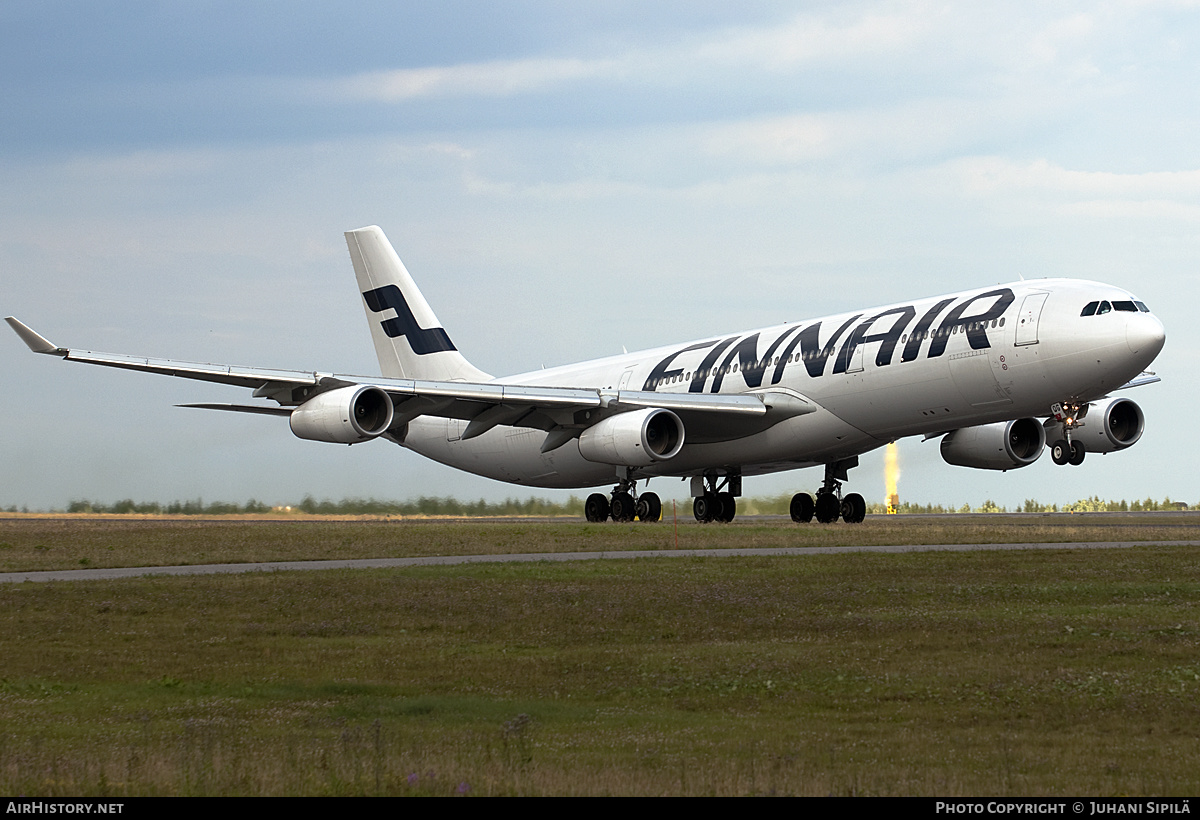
{"points": [[739, 404], [487, 392]]}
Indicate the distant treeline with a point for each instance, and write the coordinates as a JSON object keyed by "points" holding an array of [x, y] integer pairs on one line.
{"points": [[347, 506], [779, 505], [573, 506]]}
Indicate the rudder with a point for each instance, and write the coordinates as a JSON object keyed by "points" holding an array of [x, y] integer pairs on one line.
{"points": [[411, 344]]}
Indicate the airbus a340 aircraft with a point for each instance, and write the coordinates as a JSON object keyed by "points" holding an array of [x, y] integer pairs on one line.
{"points": [[997, 373]]}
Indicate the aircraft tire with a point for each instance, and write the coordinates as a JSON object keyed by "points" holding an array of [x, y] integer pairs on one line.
{"points": [[649, 507], [1060, 452], [802, 508], [854, 509], [623, 508], [728, 507], [827, 508], [704, 508], [1078, 452], [595, 509]]}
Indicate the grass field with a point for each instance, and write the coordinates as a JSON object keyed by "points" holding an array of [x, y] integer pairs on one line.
{"points": [[1015, 672], [72, 542]]}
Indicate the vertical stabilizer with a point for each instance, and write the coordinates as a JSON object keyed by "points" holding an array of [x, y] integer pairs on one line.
{"points": [[409, 340]]}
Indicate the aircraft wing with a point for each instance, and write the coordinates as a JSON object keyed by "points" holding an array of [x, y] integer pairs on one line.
{"points": [[1147, 377], [561, 411]]}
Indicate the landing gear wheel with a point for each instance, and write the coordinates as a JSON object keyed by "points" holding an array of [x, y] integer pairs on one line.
{"points": [[1077, 452], [827, 508], [860, 508], [622, 507], [854, 509], [1061, 452], [649, 508], [728, 507], [706, 508], [802, 508], [595, 509]]}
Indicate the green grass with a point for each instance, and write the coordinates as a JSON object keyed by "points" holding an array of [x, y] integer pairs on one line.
{"points": [[47, 543], [1026, 672]]}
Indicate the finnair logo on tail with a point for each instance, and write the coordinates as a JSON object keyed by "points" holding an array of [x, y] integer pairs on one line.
{"points": [[421, 340]]}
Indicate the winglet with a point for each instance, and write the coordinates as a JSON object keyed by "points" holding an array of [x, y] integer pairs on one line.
{"points": [[37, 343]]}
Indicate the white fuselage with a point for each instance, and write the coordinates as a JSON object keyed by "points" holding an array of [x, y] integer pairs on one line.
{"points": [[875, 375]]}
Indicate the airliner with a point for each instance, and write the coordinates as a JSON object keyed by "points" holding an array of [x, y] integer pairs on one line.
{"points": [[999, 374]]}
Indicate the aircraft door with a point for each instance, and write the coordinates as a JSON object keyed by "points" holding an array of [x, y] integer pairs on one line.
{"points": [[856, 360], [1029, 318]]}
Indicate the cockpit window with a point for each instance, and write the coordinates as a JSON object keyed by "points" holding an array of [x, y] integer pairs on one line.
{"points": [[1129, 306]]}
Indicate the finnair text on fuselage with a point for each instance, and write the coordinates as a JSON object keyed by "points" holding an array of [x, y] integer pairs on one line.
{"points": [[719, 360]]}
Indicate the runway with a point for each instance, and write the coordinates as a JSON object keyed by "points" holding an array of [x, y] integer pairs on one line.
{"points": [[451, 560]]}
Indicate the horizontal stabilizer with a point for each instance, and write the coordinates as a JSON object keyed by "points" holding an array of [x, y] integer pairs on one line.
{"points": [[261, 409]]}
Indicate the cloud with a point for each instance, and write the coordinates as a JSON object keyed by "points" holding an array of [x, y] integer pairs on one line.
{"points": [[806, 39], [498, 78], [1123, 209], [989, 174], [801, 40]]}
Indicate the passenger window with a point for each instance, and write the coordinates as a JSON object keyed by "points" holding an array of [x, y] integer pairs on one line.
{"points": [[1105, 307], [1090, 309]]}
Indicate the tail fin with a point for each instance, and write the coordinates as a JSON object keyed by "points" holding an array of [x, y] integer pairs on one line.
{"points": [[411, 344]]}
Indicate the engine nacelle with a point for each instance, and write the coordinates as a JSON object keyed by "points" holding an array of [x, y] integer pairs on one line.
{"points": [[347, 415], [638, 438], [1110, 424], [1004, 445]]}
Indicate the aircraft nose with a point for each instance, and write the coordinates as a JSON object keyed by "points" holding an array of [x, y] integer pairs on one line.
{"points": [[1145, 335]]}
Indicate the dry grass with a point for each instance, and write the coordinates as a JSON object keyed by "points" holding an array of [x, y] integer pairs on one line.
{"points": [[1047, 672], [40, 543]]}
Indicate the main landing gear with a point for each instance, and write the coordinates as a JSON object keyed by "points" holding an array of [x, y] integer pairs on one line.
{"points": [[830, 504], [717, 502], [1064, 450], [625, 505]]}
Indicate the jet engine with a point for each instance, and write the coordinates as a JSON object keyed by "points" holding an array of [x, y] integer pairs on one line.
{"points": [[1004, 445], [634, 439], [1110, 424], [346, 415]]}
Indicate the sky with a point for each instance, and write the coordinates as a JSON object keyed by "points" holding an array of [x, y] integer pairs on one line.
{"points": [[563, 181]]}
